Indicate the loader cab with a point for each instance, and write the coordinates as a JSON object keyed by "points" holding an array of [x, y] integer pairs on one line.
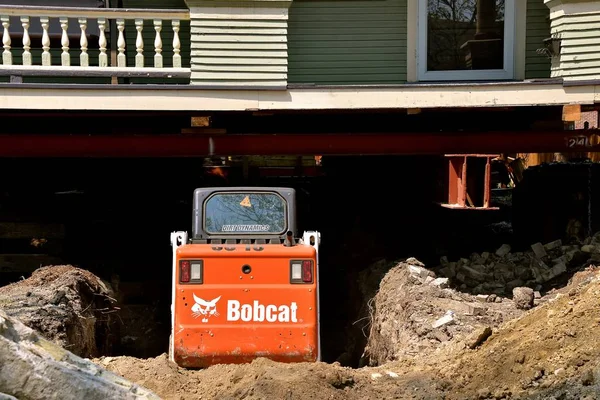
{"points": [[244, 284]]}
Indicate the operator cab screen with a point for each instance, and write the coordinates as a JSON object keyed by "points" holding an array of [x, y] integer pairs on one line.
{"points": [[245, 213]]}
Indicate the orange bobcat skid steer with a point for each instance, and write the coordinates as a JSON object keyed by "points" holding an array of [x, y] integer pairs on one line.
{"points": [[243, 285]]}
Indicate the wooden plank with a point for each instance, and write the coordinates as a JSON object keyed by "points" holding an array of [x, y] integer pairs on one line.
{"points": [[94, 71], [111, 13], [20, 230], [571, 113], [26, 263]]}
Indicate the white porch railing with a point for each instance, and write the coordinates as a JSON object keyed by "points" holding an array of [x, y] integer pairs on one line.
{"points": [[36, 27]]}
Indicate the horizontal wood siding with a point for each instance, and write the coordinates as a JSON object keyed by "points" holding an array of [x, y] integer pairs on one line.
{"points": [[239, 46], [347, 42], [580, 46], [537, 66]]}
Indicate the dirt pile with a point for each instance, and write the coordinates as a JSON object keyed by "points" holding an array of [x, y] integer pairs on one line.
{"points": [[549, 352], [414, 313], [67, 305], [500, 272], [552, 351], [261, 379], [33, 368]]}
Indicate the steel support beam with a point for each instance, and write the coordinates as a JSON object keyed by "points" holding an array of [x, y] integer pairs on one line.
{"points": [[458, 192], [25, 145]]}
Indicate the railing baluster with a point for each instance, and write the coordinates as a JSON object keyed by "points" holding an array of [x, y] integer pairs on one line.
{"points": [[61, 28], [46, 57], [102, 43], [139, 44], [158, 58], [6, 41], [65, 57], [26, 41], [121, 59], [84, 58], [176, 44]]}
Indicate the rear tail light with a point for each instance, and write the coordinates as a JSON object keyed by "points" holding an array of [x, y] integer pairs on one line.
{"points": [[191, 271], [307, 273], [184, 271], [301, 271]]}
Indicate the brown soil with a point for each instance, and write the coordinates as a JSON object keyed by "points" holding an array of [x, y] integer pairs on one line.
{"points": [[67, 305], [549, 352]]}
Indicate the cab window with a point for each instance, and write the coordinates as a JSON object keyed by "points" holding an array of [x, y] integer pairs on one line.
{"points": [[245, 213]]}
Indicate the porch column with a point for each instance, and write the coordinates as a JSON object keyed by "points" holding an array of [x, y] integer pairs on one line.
{"points": [[575, 35], [239, 44]]}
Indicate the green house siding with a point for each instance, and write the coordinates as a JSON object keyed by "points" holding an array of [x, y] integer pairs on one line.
{"points": [[347, 42], [538, 29]]}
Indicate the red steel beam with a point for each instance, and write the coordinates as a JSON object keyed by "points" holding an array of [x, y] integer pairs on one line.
{"points": [[25, 145]]}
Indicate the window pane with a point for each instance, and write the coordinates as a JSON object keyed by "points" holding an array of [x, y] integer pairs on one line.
{"points": [[465, 35], [245, 213]]}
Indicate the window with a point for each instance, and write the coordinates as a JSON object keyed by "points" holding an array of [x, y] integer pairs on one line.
{"points": [[466, 39], [245, 213]]}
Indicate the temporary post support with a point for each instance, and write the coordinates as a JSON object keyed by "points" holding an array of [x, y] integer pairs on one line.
{"points": [[458, 195]]}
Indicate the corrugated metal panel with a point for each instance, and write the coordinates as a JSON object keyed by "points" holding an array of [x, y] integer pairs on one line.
{"points": [[347, 42], [580, 39], [538, 29]]}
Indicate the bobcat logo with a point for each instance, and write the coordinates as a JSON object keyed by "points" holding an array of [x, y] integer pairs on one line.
{"points": [[204, 308]]}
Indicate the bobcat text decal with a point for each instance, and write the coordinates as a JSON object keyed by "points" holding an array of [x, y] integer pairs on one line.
{"points": [[237, 311], [259, 312]]}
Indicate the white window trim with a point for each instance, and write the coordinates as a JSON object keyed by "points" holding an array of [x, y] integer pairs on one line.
{"points": [[507, 73]]}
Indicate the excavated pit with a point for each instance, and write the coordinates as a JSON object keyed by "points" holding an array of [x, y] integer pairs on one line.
{"points": [[117, 215]]}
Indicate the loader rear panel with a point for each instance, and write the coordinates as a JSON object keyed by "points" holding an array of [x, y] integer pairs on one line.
{"points": [[246, 304]]}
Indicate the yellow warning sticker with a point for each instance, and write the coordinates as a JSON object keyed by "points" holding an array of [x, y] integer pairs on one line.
{"points": [[246, 202]]}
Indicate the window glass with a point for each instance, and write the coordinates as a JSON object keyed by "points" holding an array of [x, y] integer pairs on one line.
{"points": [[245, 213], [465, 35]]}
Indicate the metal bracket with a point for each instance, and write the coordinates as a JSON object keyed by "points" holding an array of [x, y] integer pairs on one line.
{"points": [[313, 238], [177, 239], [458, 195]]}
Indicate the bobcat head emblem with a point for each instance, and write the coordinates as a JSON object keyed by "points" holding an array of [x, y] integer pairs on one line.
{"points": [[205, 309]]}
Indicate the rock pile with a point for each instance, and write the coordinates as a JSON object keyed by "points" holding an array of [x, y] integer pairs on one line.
{"points": [[414, 313], [500, 272]]}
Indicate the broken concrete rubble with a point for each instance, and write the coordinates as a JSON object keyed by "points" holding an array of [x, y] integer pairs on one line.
{"points": [[523, 297], [500, 272], [478, 337], [539, 250], [442, 283], [447, 319], [413, 313], [32, 367]]}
